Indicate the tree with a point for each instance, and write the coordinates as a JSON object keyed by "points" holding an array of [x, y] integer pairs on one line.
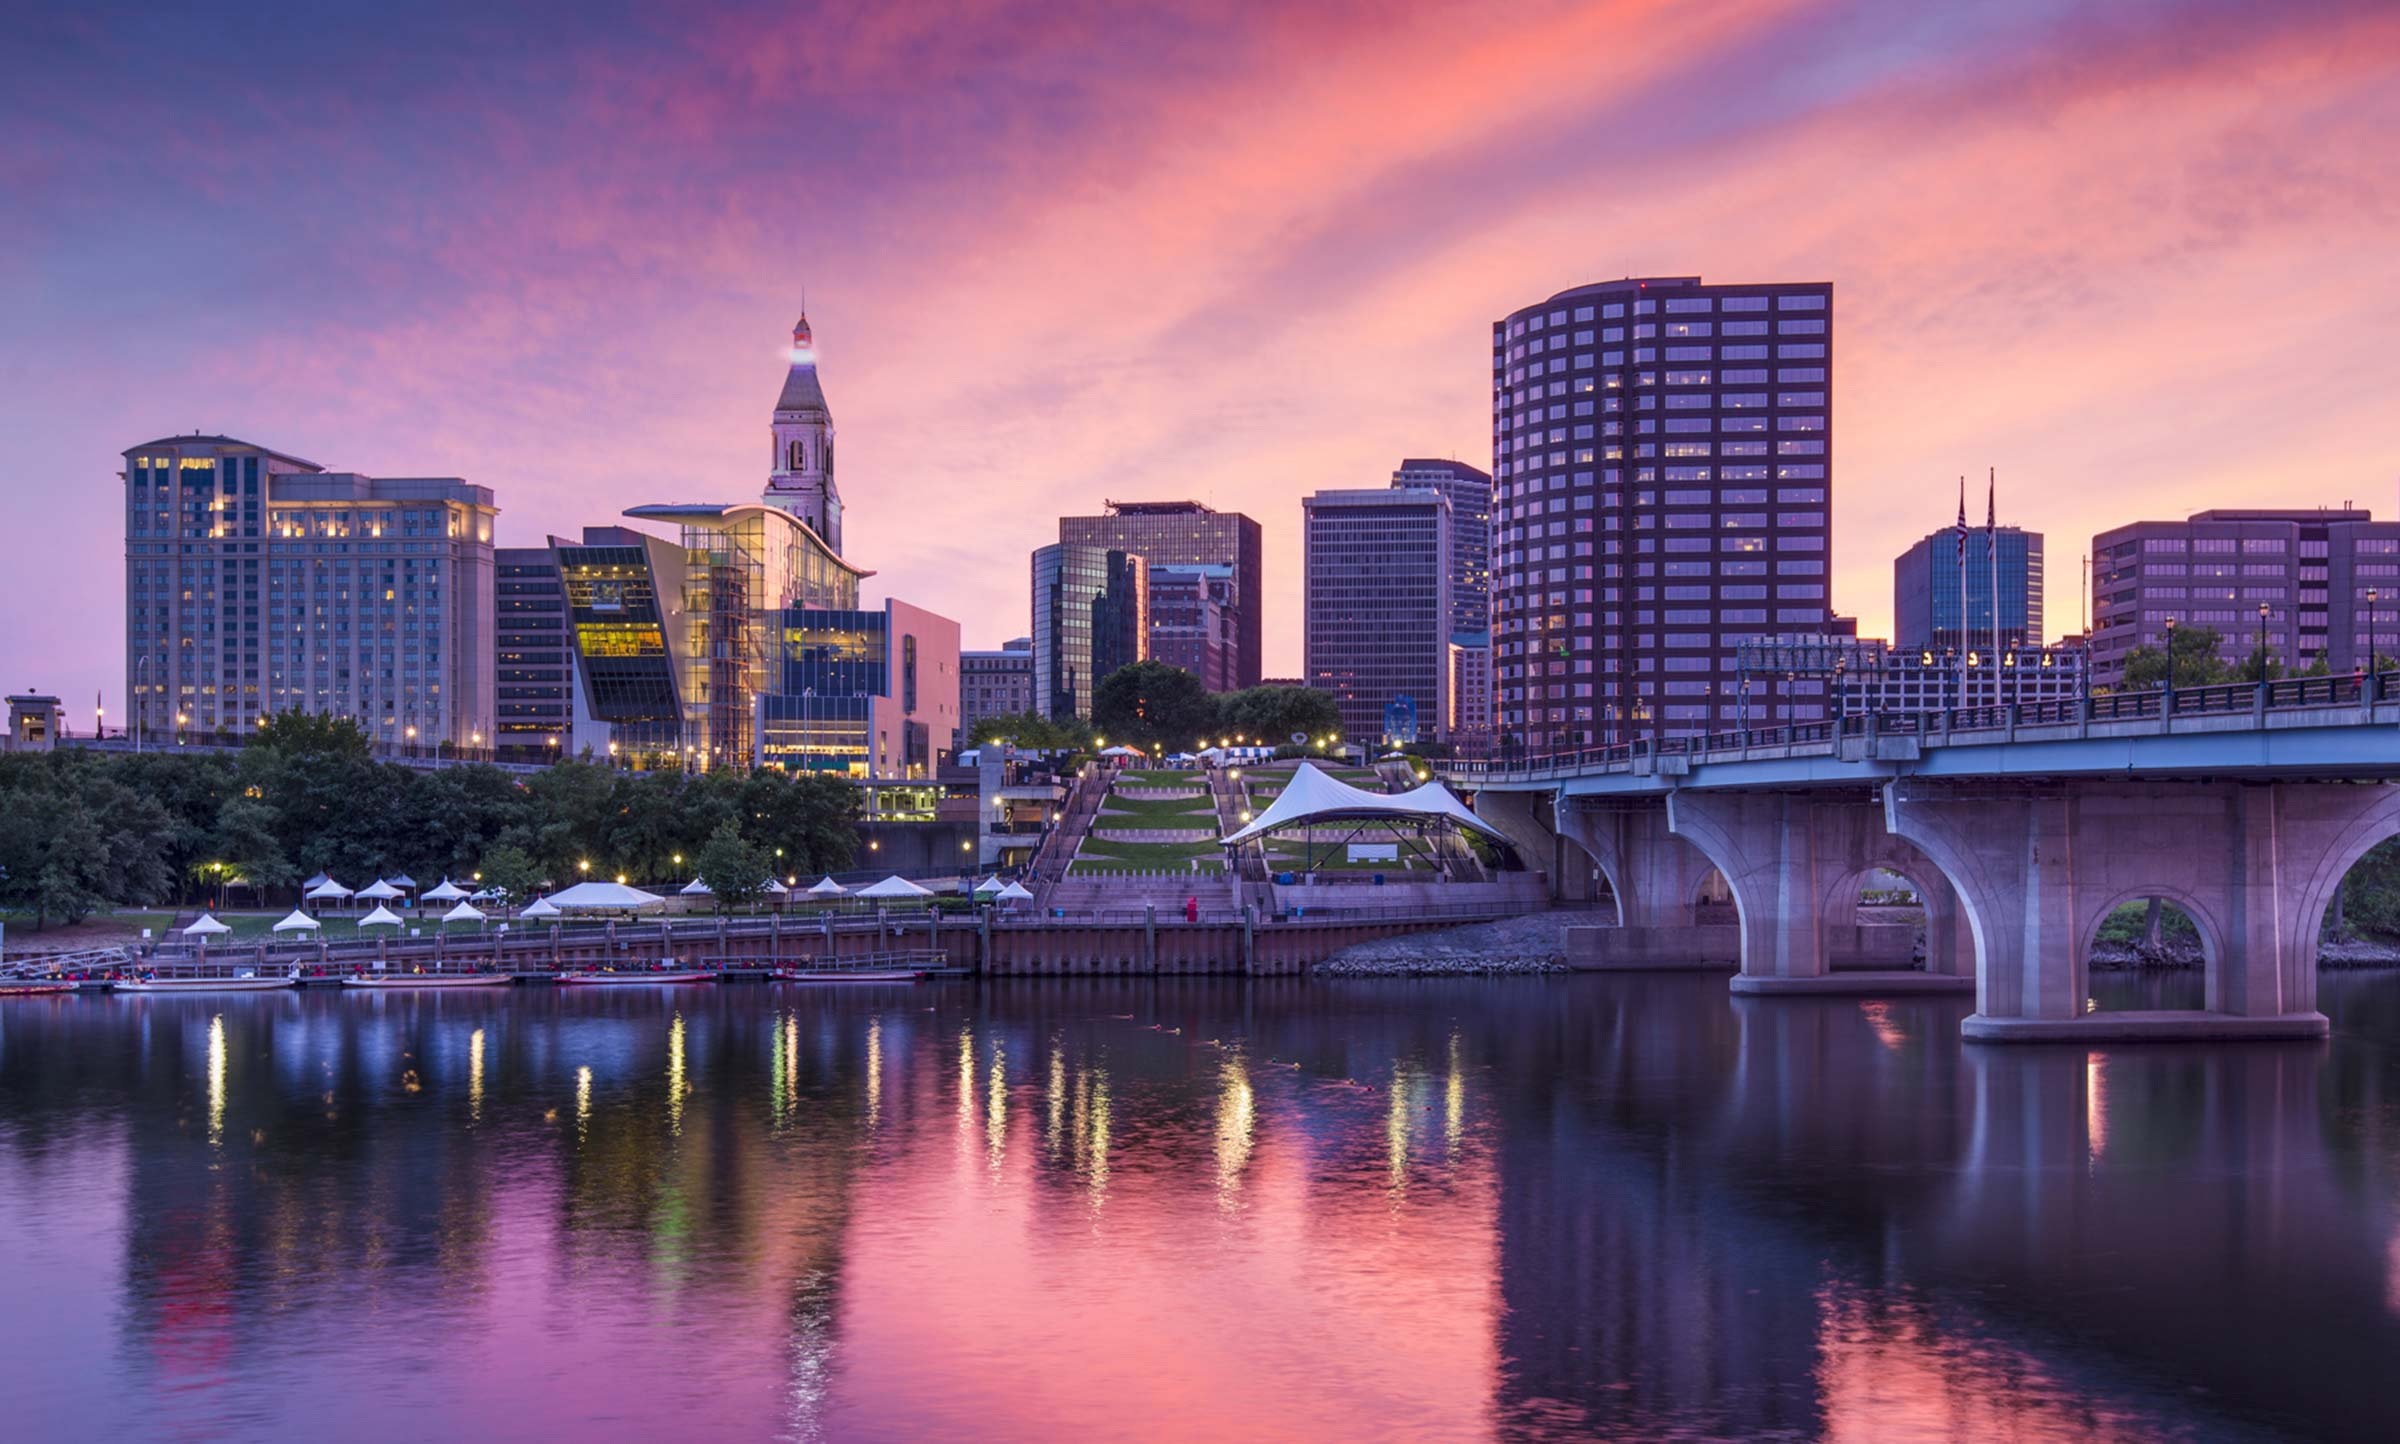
{"points": [[1032, 731], [1150, 704], [294, 731], [737, 871], [512, 870], [2196, 661], [1273, 714]]}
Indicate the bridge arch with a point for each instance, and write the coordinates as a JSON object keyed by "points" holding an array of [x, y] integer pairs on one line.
{"points": [[2215, 939], [2370, 827]]}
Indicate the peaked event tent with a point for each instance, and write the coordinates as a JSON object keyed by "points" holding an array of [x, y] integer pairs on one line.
{"points": [[380, 890], [1121, 752], [608, 897], [445, 891], [988, 885], [895, 886], [401, 879], [328, 890], [698, 887], [206, 926], [539, 908], [298, 922], [463, 913], [1015, 892], [826, 887], [1315, 796], [382, 917]]}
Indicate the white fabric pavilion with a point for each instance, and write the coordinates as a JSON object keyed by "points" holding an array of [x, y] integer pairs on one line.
{"points": [[379, 890], [206, 926], [298, 922], [382, 917], [1014, 892], [401, 879], [895, 886], [1121, 752], [328, 891], [988, 886], [698, 887], [1315, 796], [826, 887], [606, 897], [539, 908], [445, 891], [463, 913]]}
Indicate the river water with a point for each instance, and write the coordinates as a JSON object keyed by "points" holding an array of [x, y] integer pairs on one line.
{"points": [[1520, 1208]]}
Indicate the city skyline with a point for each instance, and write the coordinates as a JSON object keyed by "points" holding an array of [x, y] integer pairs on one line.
{"points": [[442, 305]]}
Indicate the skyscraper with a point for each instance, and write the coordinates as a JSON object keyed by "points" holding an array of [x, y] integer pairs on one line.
{"points": [[1663, 458], [1187, 534], [1925, 588], [1377, 571], [995, 684], [1192, 617], [2327, 582], [256, 581], [1470, 494], [1091, 615]]}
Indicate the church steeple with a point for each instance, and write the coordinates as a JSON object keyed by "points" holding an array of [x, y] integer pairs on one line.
{"points": [[802, 479]]}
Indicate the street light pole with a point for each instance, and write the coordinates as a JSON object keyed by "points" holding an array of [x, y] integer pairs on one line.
{"points": [[2261, 679], [2170, 654]]}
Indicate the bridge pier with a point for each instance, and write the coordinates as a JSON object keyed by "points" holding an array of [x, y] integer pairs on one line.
{"points": [[1656, 878], [1529, 821], [1796, 862], [2041, 865]]}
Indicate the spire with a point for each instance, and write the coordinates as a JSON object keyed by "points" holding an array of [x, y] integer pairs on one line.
{"points": [[801, 390], [800, 340]]}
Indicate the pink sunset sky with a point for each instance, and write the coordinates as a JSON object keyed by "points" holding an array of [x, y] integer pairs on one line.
{"points": [[2141, 257]]}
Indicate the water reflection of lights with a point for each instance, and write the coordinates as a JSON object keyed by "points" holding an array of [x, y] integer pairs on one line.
{"points": [[995, 1108], [1237, 1118], [675, 1075], [874, 1070], [1454, 1103], [583, 1103], [1395, 1129], [216, 1081], [1058, 1098], [2095, 1103], [966, 1085], [475, 1076], [1879, 1022], [1100, 1122]]}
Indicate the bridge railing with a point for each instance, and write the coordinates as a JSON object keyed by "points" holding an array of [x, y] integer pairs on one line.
{"points": [[2350, 689]]}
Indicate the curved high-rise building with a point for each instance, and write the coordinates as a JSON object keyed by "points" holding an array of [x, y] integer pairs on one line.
{"points": [[1662, 469]]}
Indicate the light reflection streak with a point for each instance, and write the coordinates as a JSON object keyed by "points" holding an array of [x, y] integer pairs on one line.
{"points": [[583, 1103], [1454, 1103], [1058, 1098], [2095, 1103], [216, 1081], [1099, 1138], [475, 1076], [1236, 1120], [966, 1085], [995, 1108], [675, 1075], [1879, 1022], [874, 1070], [778, 1086], [1395, 1130]]}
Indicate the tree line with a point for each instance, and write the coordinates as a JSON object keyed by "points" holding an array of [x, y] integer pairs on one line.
{"points": [[81, 831], [1152, 704]]}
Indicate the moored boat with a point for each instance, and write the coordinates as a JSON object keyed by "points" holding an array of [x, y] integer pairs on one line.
{"points": [[636, 976], [22, 987], [241, 984], [428, 980], [848, 975]]}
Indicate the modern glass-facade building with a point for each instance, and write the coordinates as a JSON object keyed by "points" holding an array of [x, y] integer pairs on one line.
{"points": [[2329, 581], [1193, 613], [1187, 534], [1470, 493], [1377, 573], [257, 582], [1925, 590], [534, 687], [1091, 615], [867, 693], [1663, 460]]}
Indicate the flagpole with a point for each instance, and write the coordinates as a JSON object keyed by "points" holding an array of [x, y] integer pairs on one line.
{"points": [[1991, 546], [1963, 633]]}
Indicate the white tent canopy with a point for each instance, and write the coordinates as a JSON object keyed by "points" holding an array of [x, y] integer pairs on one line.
{"points": [[776, 889], [298, 922], [606, 897], [539, 908], [401, 879], [826, 887], [463, 913], [382, 917], [1315, 796], [1121, 751], [1015, 892], [206, 927], [698, 887], [895, 886], [988, 885], [380, 890], [444, 891], [328, 889]]}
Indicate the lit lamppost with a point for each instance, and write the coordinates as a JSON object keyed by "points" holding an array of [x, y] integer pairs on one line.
{"points": [[2371, 637], [2170, 654], [2261, 679]]}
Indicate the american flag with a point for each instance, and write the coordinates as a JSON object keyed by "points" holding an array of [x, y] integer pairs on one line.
{"points": [[1962, 521]]}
